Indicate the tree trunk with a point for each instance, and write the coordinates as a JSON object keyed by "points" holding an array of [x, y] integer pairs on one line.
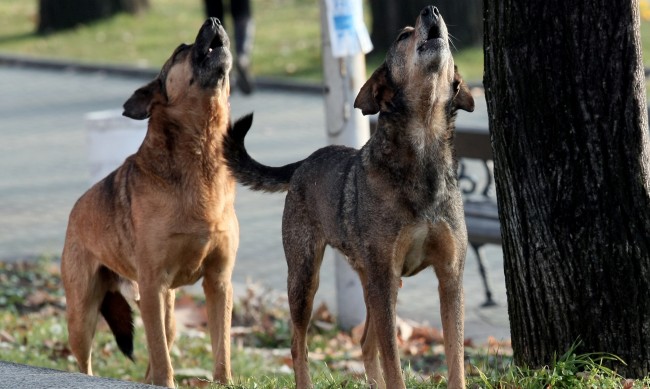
{"points": [[386, 21], [464, 19], [566, 100], [57, 15]]}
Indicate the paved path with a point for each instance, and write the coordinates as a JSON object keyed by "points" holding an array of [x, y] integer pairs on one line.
{"points": [[23, 376], [44, 169]]}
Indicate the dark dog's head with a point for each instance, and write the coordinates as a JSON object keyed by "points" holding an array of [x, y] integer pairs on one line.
{"points": [[191, 78], [418, 73]]}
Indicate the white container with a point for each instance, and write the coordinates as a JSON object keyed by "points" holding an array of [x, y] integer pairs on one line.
{"points": [[111, 138]]}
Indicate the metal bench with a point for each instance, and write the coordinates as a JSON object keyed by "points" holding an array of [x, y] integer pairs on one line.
{"points": [[481, 213]]}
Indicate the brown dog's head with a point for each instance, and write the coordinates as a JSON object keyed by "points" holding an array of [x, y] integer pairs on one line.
{"points": [[191, 77], [418, 73]]}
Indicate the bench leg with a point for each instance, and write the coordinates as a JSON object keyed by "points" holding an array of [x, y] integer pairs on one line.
{"points": [[489, 302]]}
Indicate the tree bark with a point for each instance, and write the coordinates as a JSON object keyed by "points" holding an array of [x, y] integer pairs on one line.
{"points": [[55, 15], [566, 98], [464, 19]]}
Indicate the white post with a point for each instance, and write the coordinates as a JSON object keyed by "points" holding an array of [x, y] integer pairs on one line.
{"points": [[111, 138], [343, 77]]}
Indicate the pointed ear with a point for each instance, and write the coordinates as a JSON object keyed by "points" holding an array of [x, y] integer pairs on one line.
{"points": [[376, 93], [463, 98], [138, 106]]}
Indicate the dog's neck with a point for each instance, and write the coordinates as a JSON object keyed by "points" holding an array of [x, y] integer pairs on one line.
{"points": [[419, 153], [425, 120], [172, 146]]}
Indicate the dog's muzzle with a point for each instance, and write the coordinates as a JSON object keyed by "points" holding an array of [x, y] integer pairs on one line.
{"points": [[431, 20], [211, 58]]}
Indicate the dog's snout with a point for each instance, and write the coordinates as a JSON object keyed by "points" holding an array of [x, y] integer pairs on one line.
{"points": [[430, 11], [212, 21]]}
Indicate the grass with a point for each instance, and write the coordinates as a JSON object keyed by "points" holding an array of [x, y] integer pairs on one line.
{"points": [[34, 332]]}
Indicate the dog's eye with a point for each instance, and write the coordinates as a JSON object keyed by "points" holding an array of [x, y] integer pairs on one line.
{"points": [[403, 35]]}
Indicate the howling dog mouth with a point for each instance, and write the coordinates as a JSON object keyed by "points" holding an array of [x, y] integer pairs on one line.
{"points": [[215, 43], [211, 59], [210, 38], [433, 40]]}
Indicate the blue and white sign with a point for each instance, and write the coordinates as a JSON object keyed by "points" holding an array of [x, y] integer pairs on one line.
{"points": [[348, 32]]}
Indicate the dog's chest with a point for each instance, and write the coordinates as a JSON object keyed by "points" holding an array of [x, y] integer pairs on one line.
{"points": [[415, 258]]}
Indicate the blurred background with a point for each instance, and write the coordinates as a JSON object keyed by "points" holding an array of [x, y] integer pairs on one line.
{"points": [[287, 37], [43, 122], [286, 40]]}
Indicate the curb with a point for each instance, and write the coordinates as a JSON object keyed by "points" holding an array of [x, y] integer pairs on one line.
{"points": [[265, 83], [16, 375]]}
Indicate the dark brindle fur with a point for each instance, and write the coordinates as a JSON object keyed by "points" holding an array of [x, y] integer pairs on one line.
{"points": [[393, 207]]}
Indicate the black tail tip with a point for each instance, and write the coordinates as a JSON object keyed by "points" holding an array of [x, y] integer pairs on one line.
{"points": [[119, 316], [242, 125], [125, 344]]}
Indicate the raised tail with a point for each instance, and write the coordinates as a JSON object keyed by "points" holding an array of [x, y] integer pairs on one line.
{"points": [[246, 170], [119, 316]]}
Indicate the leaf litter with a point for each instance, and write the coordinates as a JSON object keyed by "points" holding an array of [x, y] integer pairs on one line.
{"points": [[261, 327]]}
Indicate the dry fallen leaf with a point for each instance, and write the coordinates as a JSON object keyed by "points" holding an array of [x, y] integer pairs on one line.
{"points": [[628, 384], [323, 314], [6, 337]]}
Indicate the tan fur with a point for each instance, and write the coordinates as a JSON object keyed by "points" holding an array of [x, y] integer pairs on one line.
{"points": [[392, 208], [165, 217]]}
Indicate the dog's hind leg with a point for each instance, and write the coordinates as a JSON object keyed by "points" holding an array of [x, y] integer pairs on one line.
{"points": [[84, 290], [170, 319], [304, 256]]}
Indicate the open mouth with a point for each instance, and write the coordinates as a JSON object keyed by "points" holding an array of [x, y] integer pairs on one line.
{"points": [[434, 38], [210, 38], [211, 59], [215, 43], [434, 32]]}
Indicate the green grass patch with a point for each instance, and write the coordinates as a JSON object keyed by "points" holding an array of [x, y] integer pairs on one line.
{"points": [[34, 332]]}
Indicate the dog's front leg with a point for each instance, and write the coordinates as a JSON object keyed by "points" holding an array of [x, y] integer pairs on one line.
{"points": [[451, 311], [170, 326], [217, 286], [382, 287], [447, 250], [369, 346], [450, 287], [152, 307]]}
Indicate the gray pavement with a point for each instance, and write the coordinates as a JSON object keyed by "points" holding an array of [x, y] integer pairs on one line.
{"points": [[21, 376], [44, 169]]}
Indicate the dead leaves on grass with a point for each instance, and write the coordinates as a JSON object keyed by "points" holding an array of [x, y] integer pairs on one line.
{"points": [[260, 325]]}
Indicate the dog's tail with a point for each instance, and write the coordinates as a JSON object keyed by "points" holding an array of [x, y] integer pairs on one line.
{"points": [[248, 171], [119, 316]]}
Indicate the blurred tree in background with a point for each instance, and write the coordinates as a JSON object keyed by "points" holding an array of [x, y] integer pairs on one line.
{"points": [[464, 19], [57, 15]]}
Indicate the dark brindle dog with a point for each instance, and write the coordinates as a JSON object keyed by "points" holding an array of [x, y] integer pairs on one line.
{"points": [[393, 207], [163, 219]]}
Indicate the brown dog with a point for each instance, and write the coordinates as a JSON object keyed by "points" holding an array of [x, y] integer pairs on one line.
{"points": [[163, 219], [393, 207]]}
